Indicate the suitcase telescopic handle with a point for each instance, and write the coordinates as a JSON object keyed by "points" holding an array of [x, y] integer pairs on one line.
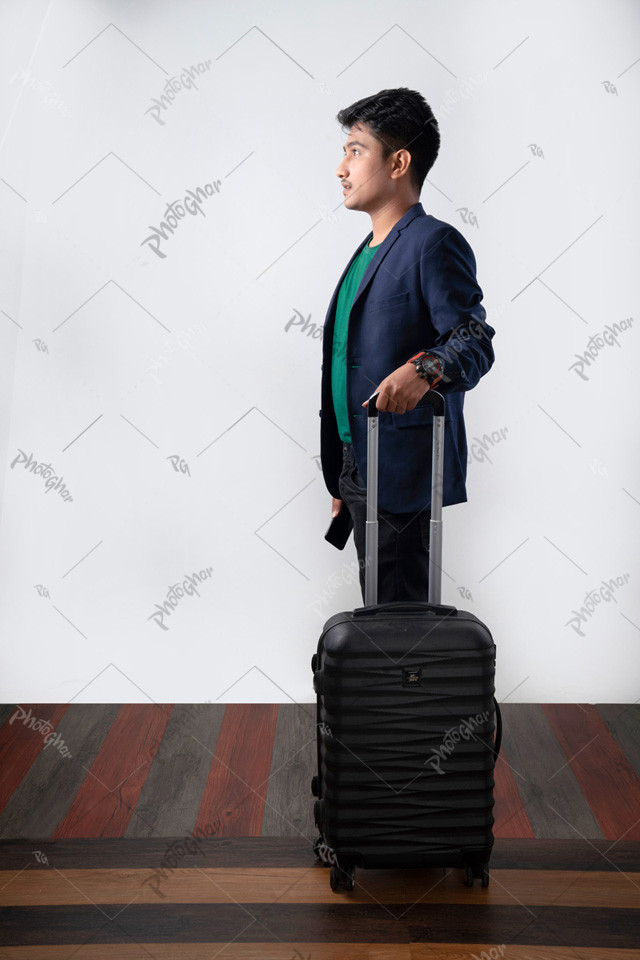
{"points": [[436, 400]]}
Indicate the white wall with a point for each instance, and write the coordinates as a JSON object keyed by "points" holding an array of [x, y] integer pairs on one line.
{"points": [[188, 355]]}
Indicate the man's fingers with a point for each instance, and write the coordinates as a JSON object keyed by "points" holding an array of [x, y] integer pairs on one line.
{"points": [[336, 506]]}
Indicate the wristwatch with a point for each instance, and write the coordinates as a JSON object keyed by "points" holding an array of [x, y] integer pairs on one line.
{"points": [[428, 367]]}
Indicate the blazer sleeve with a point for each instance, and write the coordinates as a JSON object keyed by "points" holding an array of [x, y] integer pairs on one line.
{"points": [[453, 299]]}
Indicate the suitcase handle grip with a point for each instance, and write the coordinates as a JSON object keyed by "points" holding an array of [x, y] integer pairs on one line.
{"points": [[430, 398], [406, 606]]}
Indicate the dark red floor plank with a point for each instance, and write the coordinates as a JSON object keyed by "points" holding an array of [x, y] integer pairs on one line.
{"points": [[20, 744], [510, 815], [233, 800], [104, 803], [605, 775]]}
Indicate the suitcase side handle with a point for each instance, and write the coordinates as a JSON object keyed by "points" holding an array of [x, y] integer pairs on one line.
{"points": [[498, 741], [406, 606]]}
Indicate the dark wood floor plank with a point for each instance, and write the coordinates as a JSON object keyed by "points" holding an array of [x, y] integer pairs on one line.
{"points": [[105, 801], [233, 798], [623, 720], [118, 852], [509, 811], [51, 783], [289, 805], [172, 793], [555, 804], [605, 775], [20, 744], [377, 923]]}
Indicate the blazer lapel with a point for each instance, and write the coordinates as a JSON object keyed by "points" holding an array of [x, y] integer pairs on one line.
{"points": [[417, 210]]}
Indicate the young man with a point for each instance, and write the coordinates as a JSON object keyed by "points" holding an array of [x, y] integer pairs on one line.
{"points": [[406, 315]]}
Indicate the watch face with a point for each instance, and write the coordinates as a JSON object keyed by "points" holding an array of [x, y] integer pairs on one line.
{"points": [[430, 365]]}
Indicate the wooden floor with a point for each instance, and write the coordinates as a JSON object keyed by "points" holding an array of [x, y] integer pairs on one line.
{"points": [[185, 832]]}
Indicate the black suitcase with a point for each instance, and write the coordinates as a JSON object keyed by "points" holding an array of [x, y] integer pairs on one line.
{"points": [[406, 716]]}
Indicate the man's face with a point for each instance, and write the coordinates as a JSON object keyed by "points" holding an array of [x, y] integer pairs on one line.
{"points": [[363, 171]]}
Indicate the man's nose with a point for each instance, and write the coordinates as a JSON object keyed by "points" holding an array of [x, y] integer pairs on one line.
{"points": [[341, 170]]}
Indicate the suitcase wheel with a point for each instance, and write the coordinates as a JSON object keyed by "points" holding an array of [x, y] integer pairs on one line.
{"points": [[338, 875], [481, 871]]}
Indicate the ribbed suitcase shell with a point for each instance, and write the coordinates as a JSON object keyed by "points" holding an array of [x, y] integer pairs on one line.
{"points": [[405, 715]]}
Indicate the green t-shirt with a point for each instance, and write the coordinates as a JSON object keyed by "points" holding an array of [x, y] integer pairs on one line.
{"points": [[346, 296]]}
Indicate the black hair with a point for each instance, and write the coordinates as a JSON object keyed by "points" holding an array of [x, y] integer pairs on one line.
{"points": [[399, 119]]}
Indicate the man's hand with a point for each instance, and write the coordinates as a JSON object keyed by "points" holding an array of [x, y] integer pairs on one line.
{"points": [[401, 390], [336, 506]]}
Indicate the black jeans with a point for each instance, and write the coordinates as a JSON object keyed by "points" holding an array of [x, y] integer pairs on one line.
{"points": [[403, 540]]}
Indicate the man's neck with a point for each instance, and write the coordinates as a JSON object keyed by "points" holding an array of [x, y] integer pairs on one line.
{"points": [[386, 217]]}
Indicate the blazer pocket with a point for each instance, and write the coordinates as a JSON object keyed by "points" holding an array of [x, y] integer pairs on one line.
{"points": [[387, 303]]}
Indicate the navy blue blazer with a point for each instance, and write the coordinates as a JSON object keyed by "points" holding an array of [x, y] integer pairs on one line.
{"points": [[418, 293]]}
